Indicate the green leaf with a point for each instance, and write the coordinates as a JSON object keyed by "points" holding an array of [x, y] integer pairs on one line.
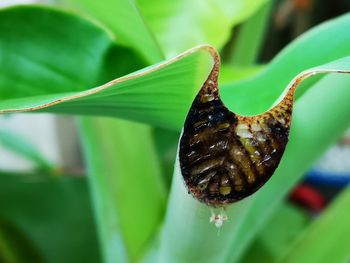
{"points": [[53, 213], [126, 185], [15, 247], [115, 15], [331, 39], [229, 74], [166, 142], [24, 148], [45, 52], [327, 239], [158, 95], [182, 24], [285, 226], [250, 38]]}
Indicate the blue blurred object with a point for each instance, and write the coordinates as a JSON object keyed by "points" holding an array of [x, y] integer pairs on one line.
{"points": [[322, 177]]}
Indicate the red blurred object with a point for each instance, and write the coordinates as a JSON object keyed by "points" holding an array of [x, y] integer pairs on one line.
{"points": [[309, 198], [302, 5]]}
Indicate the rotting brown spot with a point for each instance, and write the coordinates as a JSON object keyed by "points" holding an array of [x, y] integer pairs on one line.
{"points": [[234, 155]]}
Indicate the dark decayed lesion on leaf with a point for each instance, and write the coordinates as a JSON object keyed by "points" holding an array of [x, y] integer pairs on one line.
{"points": [[225, 157]]}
